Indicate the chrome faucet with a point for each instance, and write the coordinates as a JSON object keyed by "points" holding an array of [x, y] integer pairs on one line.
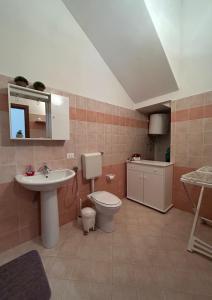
{"points": [[44, 169]]}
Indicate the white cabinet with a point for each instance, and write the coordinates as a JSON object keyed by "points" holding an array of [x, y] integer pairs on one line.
{"points": [[150, 184], [60, 117], [134, 184]]}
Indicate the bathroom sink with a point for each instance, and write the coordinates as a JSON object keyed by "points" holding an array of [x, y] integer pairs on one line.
{"points": [[47, 185], [40, 182]]}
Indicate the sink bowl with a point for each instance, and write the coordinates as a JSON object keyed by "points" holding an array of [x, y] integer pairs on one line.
{"points": [[39, 182], [47, 185]]}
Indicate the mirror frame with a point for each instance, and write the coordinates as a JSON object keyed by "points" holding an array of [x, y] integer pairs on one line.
{"points": [[30, 94]]}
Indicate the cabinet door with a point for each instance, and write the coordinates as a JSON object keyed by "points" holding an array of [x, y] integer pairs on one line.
{"points": [[60, 117], [154, 190], [135, 185]]}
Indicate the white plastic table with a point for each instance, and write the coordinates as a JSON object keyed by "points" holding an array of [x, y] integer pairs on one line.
{"points": [[203, 178]]}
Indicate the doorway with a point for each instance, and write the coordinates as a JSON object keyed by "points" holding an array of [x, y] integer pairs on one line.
{"points": [[20, 121]]}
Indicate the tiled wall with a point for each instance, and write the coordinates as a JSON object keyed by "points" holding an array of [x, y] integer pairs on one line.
{"points": [[191, 145], [95, 126]]}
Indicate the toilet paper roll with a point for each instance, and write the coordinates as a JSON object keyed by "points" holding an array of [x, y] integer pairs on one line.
{"points": [[110, 177]]}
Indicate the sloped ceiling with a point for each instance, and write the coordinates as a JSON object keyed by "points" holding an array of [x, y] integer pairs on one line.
{"points": [[124, 35]]}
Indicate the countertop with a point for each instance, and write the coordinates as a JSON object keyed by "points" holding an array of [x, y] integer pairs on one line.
{"points": [[151, 163]]}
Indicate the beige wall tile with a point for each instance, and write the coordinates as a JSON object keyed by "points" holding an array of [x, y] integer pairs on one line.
{"points": [[181, 127], [7, 173], [208, 138], [207, 160], [208, 98], [182, 104], [207, 150], [195, 140], [195, 161], [181, 160], [196, 100], [81, 102], [195, 126], [72, 100], [207, 124], [7, 155]]}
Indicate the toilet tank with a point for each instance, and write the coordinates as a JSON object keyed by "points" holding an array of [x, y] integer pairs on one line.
{"points": [[159, 123], [92, 165]]}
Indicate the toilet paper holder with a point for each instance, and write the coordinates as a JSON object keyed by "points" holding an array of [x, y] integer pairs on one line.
{"points": [[110, 177]]}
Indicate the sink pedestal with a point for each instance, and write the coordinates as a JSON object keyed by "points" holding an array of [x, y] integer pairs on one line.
{"points": [[49, 218]]}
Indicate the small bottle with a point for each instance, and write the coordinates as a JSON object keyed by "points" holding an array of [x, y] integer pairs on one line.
{"points": [[29, 170]]}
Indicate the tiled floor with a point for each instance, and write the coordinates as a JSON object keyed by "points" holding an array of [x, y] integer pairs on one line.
{"points": [[145, 258]]}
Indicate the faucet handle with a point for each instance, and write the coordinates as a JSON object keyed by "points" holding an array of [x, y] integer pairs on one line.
{"points": [[40, 169], [44, 167]]}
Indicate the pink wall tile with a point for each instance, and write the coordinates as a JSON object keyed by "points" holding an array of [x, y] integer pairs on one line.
{"points": [[208, 111], [196, 113], [181, 115], [9, 240]]}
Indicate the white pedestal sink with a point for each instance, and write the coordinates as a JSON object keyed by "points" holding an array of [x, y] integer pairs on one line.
{"points": [[47, 185]]}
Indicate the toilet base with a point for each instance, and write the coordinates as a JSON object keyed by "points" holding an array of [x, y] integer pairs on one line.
{"points": [[105, 222]]}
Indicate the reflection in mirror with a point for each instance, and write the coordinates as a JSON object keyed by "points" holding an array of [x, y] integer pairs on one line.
{"points": [[19, 120], [27, 118]]}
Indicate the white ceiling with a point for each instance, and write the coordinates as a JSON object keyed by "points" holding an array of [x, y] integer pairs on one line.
{"points": [[123, 33]]}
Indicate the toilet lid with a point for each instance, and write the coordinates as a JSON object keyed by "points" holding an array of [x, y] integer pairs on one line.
{"points": [[105, 198]]}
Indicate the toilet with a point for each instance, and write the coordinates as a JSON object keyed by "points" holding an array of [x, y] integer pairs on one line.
{"points": [[106, 204]]}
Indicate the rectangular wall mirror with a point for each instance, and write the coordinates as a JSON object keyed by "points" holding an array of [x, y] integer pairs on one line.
{"points": [[36, 115]]}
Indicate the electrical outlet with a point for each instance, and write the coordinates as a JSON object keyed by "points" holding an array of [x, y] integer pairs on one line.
{"points": [[70, 155]]}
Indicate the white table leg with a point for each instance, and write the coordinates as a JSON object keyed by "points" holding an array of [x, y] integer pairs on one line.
{"points": [[191, 239]]}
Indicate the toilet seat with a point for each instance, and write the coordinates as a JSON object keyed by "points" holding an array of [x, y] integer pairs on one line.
{"points": [[105, 199]]}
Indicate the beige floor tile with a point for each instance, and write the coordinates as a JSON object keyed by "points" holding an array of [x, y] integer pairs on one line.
{"points": [[48, 262], [152, 293], [89, 270], [44, 251], [79, 269], [124, 292], [120, 239], [7, 256], [173, 244], [77, 290], [143, 276], [59, 268], [100, 291], [58, 288], [102, 254], [120, 218], [103, 238], [123, 254], [170, 295], [142, 256], [101, 272], [159, 257], [145, 258], [69, 249], [123, 274]]}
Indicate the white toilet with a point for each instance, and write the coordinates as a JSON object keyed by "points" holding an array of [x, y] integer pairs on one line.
{"points": [[107, 204]]}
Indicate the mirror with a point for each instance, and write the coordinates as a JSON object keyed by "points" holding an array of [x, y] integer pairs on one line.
{"points": [[28, 113], [28, 119], [37, 115]]}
